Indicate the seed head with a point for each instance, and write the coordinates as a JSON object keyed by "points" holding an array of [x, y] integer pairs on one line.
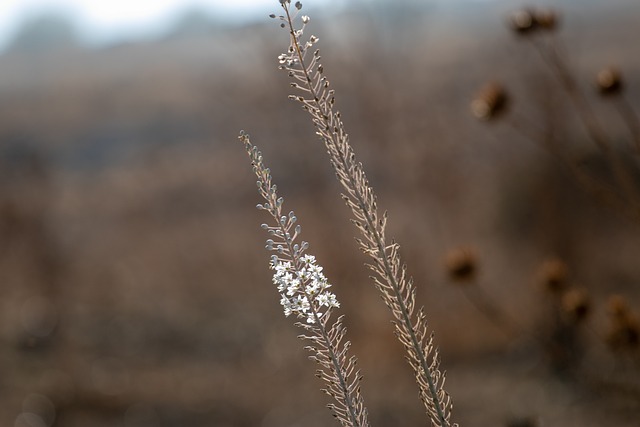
{"points": [[553, 276], [609, 81], [624, 336], [624, 331], [461, 265], [523, 21], [546, 19], [576, 304], [490, 102], [618, 307]]}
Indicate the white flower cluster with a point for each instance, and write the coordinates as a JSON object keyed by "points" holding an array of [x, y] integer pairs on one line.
{"points": [[303, 288]]}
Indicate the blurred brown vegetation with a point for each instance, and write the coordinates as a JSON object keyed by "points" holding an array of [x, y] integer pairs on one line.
{"points": [[134, 287]]}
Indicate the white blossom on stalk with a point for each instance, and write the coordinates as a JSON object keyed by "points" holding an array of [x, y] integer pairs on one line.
{"points": [[303, 290], [303, 287]]}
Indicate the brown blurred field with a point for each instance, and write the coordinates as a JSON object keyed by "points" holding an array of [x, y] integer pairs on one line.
{"points": [[134, 284]]}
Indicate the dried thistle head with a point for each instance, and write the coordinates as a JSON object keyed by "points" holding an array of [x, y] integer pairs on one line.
{"points": [[553, 276], [617, 307], [547, 19], [576, 304], [490, 101], [624, 336], [624, 331], [523, 21], [609, 81], [461, 265]]}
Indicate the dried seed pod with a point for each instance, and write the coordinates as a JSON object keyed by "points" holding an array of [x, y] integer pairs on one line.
{"points": [[609, 81], [490, 102], [547, 19], [624, 335], [576, 304], [523, 21], [553, 276], [461, 265], [618, 307], [624, 332]]}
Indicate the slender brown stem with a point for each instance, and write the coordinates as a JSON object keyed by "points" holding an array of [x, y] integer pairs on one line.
{"points": [[598, 189], [484, 304], [630, 118], [549, 54]]}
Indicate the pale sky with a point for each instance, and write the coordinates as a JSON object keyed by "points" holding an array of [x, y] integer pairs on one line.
{"points": [[102, 20]]}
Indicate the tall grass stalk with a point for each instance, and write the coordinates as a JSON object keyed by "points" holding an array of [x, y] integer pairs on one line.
{"points": [[389, 273], [303, 288]]}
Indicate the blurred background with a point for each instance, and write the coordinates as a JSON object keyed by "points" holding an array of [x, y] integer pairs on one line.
{"points": [[134, 284]]}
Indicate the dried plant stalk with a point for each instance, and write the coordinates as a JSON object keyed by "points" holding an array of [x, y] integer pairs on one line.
{"points": [[303, 66], [303, 288]]}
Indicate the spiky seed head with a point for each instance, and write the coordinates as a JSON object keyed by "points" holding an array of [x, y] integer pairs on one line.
{"points": [[490, 102], [553, 276], [461, 265], [576, 304], [609, 81]]}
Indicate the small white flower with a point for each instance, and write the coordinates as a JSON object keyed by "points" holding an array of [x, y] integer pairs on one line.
{"points": [[308, 259], [310, 318], [328, 299], [293, 287], [323, 299], [287, 305], [282, 285], [303, 274], [313, 288], [300, 304], [302, 287], [282, 266], [305, 19]]}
